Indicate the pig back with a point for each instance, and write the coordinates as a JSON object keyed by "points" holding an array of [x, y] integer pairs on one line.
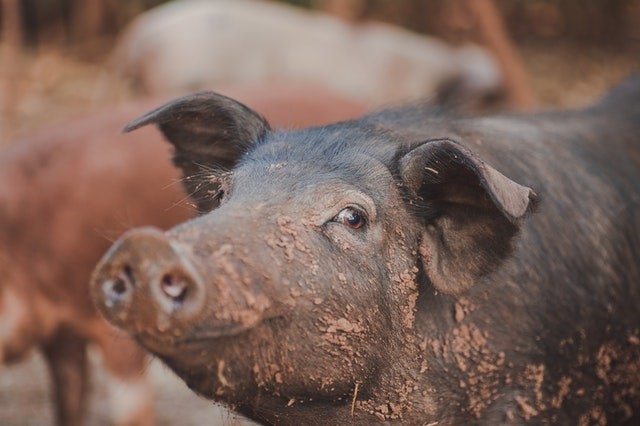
{"points": [[563, 306], [572, 280]]}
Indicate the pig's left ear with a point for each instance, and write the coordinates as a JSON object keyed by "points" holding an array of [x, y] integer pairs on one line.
{"points": [[210, 133], [472, 212]]}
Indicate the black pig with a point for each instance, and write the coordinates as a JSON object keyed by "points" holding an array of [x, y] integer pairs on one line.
{"points": [[389, 269]]}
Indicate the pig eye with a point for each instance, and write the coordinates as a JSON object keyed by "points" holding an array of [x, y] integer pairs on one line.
{"points": [[221, 191], [219, 195], [351, 217]]}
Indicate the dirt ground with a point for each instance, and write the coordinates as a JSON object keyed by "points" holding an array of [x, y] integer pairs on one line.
{"points": [[25, 398], [53, 85]]}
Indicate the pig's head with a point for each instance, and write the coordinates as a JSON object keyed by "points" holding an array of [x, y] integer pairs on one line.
{"points": [[300, 278]]}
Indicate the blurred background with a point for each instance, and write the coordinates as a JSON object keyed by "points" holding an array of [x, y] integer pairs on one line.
{"points": [[59, 56], [62, 58]]}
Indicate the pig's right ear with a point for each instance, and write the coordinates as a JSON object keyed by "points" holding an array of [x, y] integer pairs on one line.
{"points": [[471, 212], [210, 133]]}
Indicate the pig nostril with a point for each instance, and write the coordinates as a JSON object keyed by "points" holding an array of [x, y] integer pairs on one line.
{"points": [[120, 284], [174, 287], [124, 281], [118, 289], [128, 272]]}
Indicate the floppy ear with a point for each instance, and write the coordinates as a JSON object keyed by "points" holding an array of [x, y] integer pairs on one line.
{"points": [[210, 133], [471, 211]]}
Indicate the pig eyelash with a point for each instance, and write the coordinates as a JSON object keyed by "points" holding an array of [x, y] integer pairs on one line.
{"points": [[219, 195], [208, 176], [223, 190]]}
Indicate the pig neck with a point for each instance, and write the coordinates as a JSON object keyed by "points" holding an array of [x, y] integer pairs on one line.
{"points": [[462, 337]]}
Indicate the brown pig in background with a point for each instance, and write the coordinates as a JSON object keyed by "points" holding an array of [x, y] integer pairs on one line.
{"points": [[408, 267], [68, 191]]}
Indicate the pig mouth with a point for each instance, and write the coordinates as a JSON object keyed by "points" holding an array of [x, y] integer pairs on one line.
{"points": [[169, 345], [230, 330], [199, 337]]}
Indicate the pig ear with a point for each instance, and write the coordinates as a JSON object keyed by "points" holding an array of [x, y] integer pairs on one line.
{"points": [[210, 133], [471, 211]]}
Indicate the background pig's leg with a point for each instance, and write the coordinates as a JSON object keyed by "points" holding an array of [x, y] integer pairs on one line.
{"points": [[129, 392], [67, 360]]}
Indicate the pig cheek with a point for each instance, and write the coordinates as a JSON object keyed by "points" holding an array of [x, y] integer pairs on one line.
{"points": [[334, 334], [320, 344], [369, 308], [344, 312]]}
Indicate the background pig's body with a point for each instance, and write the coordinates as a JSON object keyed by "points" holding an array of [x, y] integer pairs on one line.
{"points": [[380, 270], [66, 193], [194, 44]]}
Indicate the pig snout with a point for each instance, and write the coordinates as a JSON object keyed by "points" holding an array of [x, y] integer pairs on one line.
{"points": [[146, 279], [151, 285]]}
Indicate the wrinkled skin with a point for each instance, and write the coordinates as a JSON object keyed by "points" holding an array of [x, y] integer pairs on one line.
{"points": [[66, 193], [390, 269]]}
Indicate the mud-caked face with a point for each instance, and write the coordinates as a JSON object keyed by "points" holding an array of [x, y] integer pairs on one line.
{"points": [[314, 257], [300, 284], [299, 281]]}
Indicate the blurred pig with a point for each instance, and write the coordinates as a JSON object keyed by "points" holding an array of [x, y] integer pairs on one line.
{"points": [[66, 192], [193, 44], [408, 267]]}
